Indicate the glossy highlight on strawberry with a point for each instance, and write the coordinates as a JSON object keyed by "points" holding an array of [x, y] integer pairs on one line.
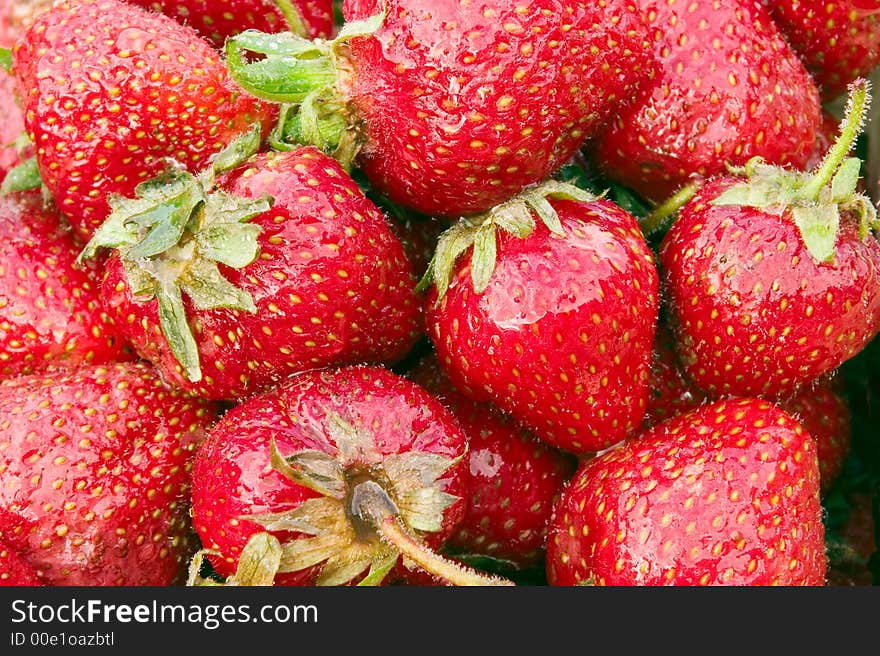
{"points": [[561, 337]]}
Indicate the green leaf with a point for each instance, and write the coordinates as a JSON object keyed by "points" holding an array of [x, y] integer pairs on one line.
{"points": [[233, 244], [166, 222], [379, 569], [545, 212], [291, 67], [239, 151], [452, 243], [514, 217], [162, 205], [6, 59], [484, 257], [846, 180], [364, 27], [310, 468], [259, 561], [208, 289], [172, 319], [23, 177], [818, 226], [294, 18]]}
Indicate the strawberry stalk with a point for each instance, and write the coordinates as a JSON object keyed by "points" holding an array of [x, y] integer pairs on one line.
{"points": [[302, 75], [371, 503], [816, 200], [364, 518], [293, 17], [661, 217], [851, 126]]}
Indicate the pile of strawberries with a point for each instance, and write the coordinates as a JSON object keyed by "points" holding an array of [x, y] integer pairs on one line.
{"points": [[410, 292]]}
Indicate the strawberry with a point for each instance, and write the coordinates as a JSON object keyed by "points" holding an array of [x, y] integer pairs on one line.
{"points": [[217, 21], [671, 393], [449, 107], [12, 129], [726, 494], [772, 276], [838, 41], [551, 320], [95, 471], [111, 92], [50, 308], [729, 88], [344, 468], [823, 411], [512, 478], [230, 292], [819, 407], [14, 570]]}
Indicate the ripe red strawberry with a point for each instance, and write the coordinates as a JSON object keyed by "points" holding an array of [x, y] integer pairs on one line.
{"points": [[12, 128], [248, 293], [824, 413], [219, 20], [727, 494], [95, 474], [454, 107], [345, 468], [729, 88], [50, 308], [671, 393], [820, 407], [839, 41], [512, 478], [554, 326], [112, 91], [772, 277], [14, 570]]}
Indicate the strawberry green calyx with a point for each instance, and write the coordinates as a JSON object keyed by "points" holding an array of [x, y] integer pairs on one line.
{"points": [[818, 198], [366, 516], [516, 216], [295, 22], [22, 177], [6, 59], [257, 564], [302, 75], [171, 238]]}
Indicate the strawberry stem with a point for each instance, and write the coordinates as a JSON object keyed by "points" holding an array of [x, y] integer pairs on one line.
{"points": [[661, 217], [293, 17], [850, 128], [372, 504]]}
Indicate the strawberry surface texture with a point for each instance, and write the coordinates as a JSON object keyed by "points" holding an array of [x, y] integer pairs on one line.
{"points": [[439, 293]]}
